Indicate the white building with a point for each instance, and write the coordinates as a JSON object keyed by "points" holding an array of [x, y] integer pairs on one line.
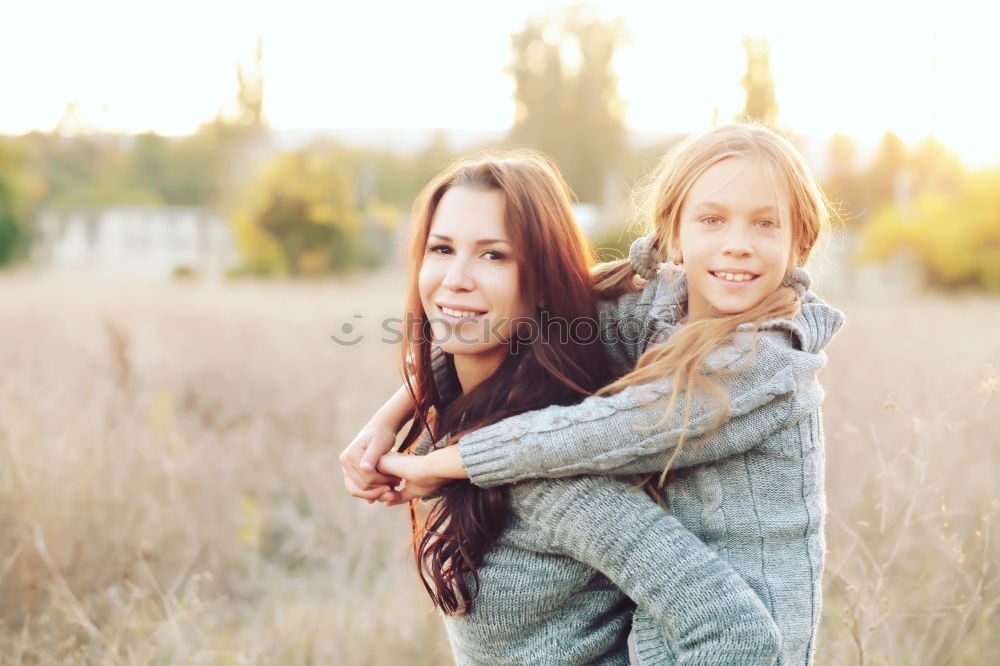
{"points": [[135, 240]]}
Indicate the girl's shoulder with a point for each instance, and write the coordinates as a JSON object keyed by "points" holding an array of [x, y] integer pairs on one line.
{"points": [[816, 322], [813, 327]]}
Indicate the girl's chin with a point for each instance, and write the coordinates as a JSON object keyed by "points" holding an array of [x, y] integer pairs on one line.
{"points": [[731, 306]]}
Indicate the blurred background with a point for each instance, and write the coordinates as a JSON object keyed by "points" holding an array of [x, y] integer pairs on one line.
{"points": [[194, 197]]}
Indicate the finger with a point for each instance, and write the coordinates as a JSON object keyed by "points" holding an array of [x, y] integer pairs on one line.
{"points": [[366, 479], [371, 479], [373, 451], [408, 493], [362, 478], [366, 493]]}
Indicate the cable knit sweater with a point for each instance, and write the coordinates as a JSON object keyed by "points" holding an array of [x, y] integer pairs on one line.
{"points": [[752, 495]]}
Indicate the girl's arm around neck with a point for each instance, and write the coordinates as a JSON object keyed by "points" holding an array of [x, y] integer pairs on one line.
{"points": [[630, 432]]}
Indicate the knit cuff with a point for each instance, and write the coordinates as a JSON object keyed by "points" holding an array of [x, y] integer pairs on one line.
{"points": [[651, 647], [488, 459]]}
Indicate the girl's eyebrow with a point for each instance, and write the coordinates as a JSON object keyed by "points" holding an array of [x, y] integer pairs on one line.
{"points": [[714, 205], [482, 241]]}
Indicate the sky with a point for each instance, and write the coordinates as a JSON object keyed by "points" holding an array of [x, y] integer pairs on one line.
{"points": [[853, 67]]}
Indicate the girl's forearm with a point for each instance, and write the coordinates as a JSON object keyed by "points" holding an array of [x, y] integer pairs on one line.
{"points": [[446, 463]]}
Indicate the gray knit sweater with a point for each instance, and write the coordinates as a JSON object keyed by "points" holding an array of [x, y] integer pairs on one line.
{"points": [[559, 585], [750, 497]]}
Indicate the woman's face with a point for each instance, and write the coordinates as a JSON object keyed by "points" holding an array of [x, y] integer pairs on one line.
{"points": [[469, 279], [735, 238]]}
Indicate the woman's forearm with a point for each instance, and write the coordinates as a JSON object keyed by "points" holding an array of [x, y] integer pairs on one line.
{"points": [[396, 411]]}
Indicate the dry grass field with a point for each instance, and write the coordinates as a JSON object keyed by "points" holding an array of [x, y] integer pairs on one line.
{"points": [[170, 491]]}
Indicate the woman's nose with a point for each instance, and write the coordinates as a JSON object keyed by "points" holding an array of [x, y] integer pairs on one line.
{"points": [[457, 277]]}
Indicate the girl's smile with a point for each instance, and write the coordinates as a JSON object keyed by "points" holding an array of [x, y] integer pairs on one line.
{"points": [[735, 243]]}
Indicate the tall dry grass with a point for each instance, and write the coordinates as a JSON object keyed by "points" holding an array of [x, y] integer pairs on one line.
{"points": [[170, 492]]}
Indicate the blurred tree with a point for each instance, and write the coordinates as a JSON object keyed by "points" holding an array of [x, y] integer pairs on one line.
{"points": [[761, 105], [305, 204], [935, 168], [250, 98], [20, 189], [90, 169], [883, 179], [956, 235], [245, 138], [843, 184], [567, 94], [12, 226]]}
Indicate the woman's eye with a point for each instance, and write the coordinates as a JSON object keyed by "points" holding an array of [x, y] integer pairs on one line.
{"points": [[494, 255], [712, 221], [767, 224], [438, 249]]}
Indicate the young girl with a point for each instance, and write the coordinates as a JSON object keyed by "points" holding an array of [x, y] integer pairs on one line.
{"points": [[532, 576], [728, 399]]}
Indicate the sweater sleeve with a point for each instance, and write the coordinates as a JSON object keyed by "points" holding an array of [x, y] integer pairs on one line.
{"points": [[627, 324], [705, 612], [631, 432]]}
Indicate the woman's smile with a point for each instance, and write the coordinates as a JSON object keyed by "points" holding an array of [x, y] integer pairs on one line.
{"points": [[458, 313]]}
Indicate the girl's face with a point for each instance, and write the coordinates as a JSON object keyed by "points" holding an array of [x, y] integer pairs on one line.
{"points": [[734, 250], [469, 280]]}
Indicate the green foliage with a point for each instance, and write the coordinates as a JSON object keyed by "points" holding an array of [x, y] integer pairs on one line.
{"points": [[149, 169], [955, 234], [18, 191], [567, 94], [185, 171], [304, 206], [10, 226]]}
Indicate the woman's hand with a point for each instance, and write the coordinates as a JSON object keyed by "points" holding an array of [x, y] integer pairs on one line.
{"points": [[361, 477]]}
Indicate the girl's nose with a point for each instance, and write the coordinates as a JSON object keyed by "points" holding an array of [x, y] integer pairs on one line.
{"points": [[737, 241]]}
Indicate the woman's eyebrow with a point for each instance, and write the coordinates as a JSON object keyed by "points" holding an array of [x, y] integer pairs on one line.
{"points": [[482, 241]]}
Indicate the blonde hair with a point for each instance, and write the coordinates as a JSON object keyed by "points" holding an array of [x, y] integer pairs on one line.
{"points": [[683, 356]]}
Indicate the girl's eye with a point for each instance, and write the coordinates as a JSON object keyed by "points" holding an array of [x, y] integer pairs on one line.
{"points": [[438, 249], [494, 255], [767, 224], [712, 221]]}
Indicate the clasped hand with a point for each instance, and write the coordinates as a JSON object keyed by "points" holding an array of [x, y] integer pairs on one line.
{"points": [[373, 474]]}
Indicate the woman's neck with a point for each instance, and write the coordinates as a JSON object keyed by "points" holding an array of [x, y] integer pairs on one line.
{"points": [[473, 369]]}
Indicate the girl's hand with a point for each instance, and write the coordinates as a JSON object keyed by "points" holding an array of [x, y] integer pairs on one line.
{"points": [[359, 461], [418, 472]]}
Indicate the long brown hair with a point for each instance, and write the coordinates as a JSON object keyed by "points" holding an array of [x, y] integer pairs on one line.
{"points": [[683, 356], [554, 261]]}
